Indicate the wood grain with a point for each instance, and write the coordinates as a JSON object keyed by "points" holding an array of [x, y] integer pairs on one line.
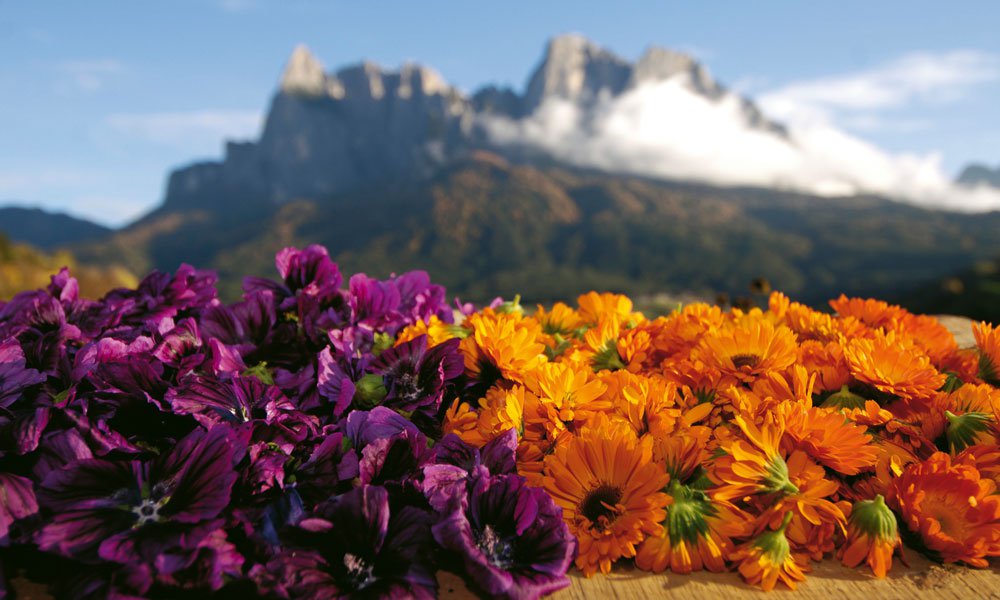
{"points": [[922, 579]]}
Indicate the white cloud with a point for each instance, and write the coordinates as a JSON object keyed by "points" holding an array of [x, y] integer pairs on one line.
{"points": [[90, 75], [664, 129], [192, 128], [915, 78]]}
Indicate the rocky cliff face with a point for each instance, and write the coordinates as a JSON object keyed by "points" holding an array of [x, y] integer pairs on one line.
{"points": [[330, 132]]}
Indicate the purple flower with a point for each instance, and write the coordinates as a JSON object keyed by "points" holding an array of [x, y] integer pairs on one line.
{"points": [[185, 293], [17, 501], [308, 272], [394, 460], [419, 299], [330, 466], [360, 548], [510, 538], [242, 400], [414, 376], [365, 427], [205, 566], [124, 511], [15, 377], [181, 346]]}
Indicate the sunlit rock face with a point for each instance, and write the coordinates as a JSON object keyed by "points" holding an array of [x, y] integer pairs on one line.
{"points": [[331, 132]]}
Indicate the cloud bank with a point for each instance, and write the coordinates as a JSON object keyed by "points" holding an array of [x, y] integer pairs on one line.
{"points": [[664, 129]]}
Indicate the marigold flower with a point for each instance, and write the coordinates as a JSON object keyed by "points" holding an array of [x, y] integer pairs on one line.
{"points": [[893, 365], [594, 307], [749, 350], [610, 491], [502, 345], [567, 396], [829, 438], [697, 534], [753, 468], [768, 558], [988, 343], [872, 536], [871, 312], [951, 507]]}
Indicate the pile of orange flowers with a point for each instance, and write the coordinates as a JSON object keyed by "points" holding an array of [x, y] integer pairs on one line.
{"points": [[752, 440]]}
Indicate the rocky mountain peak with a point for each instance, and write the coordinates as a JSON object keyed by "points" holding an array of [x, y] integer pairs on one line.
{"points": [[303, 74], [575, 69], [658, 64]]}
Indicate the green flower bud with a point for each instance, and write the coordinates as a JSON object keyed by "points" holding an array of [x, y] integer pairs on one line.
{"points": [[963, 430], [874, 518], [845, 398], [369, 392]]}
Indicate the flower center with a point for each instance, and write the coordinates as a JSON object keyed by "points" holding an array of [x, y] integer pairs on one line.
{"points": [[499, 551], [601, 505], [745, 360], [148, 512], [359, 572]]}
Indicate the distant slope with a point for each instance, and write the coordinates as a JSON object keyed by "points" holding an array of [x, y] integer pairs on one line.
{"points": [[973, 292], [25, 268], [976, 174], [484, 226], [47, 230]]}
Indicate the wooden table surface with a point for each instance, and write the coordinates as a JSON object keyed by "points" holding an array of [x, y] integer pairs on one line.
{"points": [[828, 580]]}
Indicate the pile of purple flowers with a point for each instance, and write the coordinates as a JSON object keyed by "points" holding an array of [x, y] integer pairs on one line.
{"points": [[159, 440]]}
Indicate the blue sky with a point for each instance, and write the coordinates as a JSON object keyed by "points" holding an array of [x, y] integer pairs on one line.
{"points": [[101, 99]]}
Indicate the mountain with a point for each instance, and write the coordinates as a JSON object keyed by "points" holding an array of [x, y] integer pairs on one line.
{"points": [[398, 170], [332, 132], [23, 267], [47, 230], [973, 292], [976, 174], [483, 225]]}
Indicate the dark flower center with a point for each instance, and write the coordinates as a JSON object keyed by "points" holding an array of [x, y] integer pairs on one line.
{"points": [[745, 360], [499, 551], [148, 512], [599, 506], [359, 572]]}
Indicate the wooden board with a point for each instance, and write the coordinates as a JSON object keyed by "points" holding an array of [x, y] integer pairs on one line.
{"points": [[828, 580]]}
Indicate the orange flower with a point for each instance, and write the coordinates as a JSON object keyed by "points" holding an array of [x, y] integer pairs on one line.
{"points": [[748, 350], [561, 320], [893, 366], [752, 468], [988, 343], [682, 452], [681, 331], [768, 558], [503, 409], [829, 438], [827, 362], [814, 518], [594, 307], [567, 396], [872, 536], [610, 491], [502, 345], [435, 329], [951, 507], [461, 420], [873, 313], [647, 404], [697, 534]]}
